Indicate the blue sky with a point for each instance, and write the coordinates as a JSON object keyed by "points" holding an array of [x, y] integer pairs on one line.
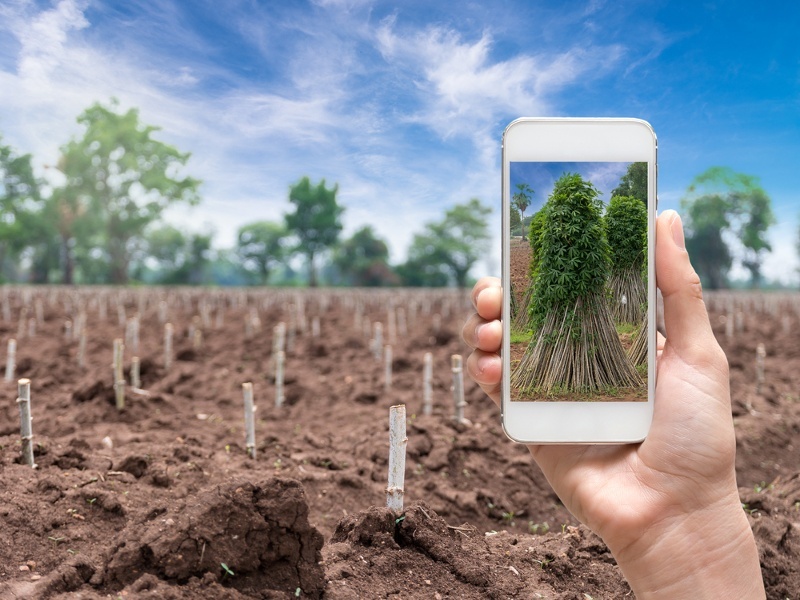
{"points": [[403, 104]]}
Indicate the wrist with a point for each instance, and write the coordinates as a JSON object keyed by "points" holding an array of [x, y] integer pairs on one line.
{"points": [[708, 553]]}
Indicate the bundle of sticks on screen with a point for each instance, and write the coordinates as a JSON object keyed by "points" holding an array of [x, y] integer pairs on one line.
{"points": [[583, 314]]}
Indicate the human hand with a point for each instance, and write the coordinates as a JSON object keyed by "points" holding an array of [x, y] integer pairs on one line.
{"points": [[668, 508]]}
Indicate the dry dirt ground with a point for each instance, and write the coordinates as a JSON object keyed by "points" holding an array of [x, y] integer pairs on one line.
{"points": [[160, 500]]}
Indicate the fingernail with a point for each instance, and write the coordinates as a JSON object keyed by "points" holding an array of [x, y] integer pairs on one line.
{"points": [[677, 232], [478, 332]]}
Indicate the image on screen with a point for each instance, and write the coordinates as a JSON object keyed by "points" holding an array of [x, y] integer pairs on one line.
{"points": [[578, 267]]}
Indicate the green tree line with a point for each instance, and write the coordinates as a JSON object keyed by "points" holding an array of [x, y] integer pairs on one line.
{"points": [[103, 222]]}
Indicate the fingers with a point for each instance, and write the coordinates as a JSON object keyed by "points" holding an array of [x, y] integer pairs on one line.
{"points": [[486, 368], [487, 298], [685, 317], [481, 334]]}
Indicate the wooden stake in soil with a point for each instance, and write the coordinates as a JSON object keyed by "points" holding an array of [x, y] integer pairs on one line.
{"points": [[279, 360], [11, 359], [136, 380], [427, 388], [167, 346], [119, 378], [397, 458], [25, 430], [249, 420], [458, 388], [761, 354]]}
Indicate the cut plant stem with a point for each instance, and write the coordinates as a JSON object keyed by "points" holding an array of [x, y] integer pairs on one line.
{"points": [[377, 341], [167, 346], [387, 368], [82, 349], [119, 378], [458, 387], [397, 458], [761, 354], [280, 358], [11, 359], [136, 380], [427, 388], [25, 430], [249, 420]]}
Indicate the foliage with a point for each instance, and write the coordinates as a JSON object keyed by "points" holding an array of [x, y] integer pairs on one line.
{"points": [[725, 207], [626, 228], [363, 260], [260, 246], [449, 248], [633, 183], [182, 258], [535, 236], [574, 256], [19, 200], [119, 180], [522, 199], [316, 220]]}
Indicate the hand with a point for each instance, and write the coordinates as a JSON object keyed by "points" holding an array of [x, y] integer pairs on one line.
{"points": [[668, 508]]}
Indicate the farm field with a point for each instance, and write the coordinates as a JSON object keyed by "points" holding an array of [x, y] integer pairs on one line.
{"points": [[160, 499]]}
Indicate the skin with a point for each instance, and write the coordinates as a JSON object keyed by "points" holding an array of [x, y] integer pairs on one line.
{"points": [[668, 508]]}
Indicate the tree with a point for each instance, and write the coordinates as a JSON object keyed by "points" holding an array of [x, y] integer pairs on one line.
{"points": [[522, 200], [316, 220], [19, 204], [724, 209], [452, 245], [363, 260], [261, 246], [125, 178], [575, 346], [626, 230], [515, 221], [633, 183]]}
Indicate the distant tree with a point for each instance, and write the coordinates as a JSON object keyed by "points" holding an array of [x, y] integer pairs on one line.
{"points": [[182, 258], [515, 221], [261, 246], [363, 260], [633, 183], [121, 178], [20, 203], [522, 200], [725, 207], [452, 245], [316, 220]]}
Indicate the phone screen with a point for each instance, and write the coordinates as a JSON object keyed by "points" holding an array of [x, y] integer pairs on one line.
{"points": [[578, 275]]}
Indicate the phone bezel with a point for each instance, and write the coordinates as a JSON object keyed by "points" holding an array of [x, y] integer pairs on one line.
{"points": [[579, 140]]}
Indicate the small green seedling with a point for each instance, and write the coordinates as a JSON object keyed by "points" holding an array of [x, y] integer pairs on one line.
{"points": [[508, 517], [227, 570], [91, 501], [399, 520], [297, 592], [563, 528]]}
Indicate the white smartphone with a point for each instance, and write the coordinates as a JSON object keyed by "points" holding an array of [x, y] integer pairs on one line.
{"points": [[579, 346]]}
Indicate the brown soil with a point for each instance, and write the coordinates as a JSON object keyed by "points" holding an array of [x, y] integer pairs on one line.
{"points": [[150, 502]]}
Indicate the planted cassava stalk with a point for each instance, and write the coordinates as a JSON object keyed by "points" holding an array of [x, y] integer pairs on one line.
{"points": [[387, 368], [11, 359], [68, 331], [761, 355], [427, 388], [278, 342], [119, 378], [377, 341], [25, 430], [136, 380], [280, 358], [458, 388], [397, 458], [31, 327], [167, 346], [82, 349], [23, 321], [315, 327], [249, 420]]}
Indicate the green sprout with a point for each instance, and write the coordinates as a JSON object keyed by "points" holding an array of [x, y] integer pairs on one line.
{"points": [[227, 570]]}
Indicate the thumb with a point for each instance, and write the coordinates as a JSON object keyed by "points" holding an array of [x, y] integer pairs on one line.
{"points": [[685, 317]]}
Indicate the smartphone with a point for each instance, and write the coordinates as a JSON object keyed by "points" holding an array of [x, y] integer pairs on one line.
{"points": [[579, 347]]}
